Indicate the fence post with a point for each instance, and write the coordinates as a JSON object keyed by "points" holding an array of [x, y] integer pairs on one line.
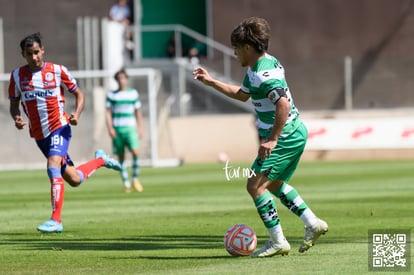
{"points": [[2, 98], [348, 82]]}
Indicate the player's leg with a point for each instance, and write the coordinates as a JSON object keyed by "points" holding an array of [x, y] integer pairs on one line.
{"points": [[136, 183], [118, 148], [291, 150], [59, 143], [53, 147], [133, 146], [76, 175], [266, 207]]}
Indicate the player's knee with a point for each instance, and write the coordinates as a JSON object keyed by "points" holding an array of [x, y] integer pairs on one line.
{"points": [[73, 183], [73, 179], [252, 187]]}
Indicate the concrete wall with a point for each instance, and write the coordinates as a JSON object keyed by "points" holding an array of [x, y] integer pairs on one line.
{"points": [[213, 138], [311, 38], [55, 19]]}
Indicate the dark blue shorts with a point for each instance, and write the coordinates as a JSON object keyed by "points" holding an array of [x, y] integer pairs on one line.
{"points": [[57, 143]]}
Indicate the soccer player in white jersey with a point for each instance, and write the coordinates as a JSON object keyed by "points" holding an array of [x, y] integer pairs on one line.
{"points": [[39, 86], [283, 135], [125, 125]]}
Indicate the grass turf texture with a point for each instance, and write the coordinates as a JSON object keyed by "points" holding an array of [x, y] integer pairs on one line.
{"points": [[176, 225]]}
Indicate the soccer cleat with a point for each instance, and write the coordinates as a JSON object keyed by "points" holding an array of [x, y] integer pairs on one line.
{"points": [[271, 249], [312, 235], [137, 185], [50, 226], [127, 186], [109, 162]]}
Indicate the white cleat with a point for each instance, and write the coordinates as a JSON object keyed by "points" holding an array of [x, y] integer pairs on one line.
{"points": [[272, 249], [312, 235]]}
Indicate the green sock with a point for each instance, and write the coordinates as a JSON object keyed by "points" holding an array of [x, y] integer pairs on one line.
{"points": [[290, 198], [266, 207], [124, 171], [135, 167]]}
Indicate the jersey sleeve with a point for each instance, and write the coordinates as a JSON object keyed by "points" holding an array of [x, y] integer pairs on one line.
{"points": [[68, 80], [245, 84], [108, 101], [273, 90], [14, 91], [138, 103]]}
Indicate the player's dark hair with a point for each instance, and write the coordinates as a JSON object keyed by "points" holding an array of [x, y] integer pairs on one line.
{"points": [[29, 41], [121, 71], [253, 31]]}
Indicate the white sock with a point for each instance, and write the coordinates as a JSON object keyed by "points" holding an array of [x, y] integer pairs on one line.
{"points": [[309, 218], [276, 234], [127, 184]]}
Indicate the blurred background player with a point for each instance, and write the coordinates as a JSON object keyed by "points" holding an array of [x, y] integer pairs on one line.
{"points": [[282, 133], [125, 125], [39, 86]]}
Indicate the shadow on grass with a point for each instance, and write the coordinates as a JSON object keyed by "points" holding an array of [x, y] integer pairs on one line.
{"points": [[68, 242]]}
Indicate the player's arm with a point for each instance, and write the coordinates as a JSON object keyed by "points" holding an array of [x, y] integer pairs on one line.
{"points": [[229, 90], [282, 105], [281, 115], [108, 120], [16, 115], [140, 122], [79, 105]]}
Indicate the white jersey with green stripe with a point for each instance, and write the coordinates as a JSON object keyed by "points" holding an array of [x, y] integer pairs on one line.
{"points": [[123, 105], [266, 76]]}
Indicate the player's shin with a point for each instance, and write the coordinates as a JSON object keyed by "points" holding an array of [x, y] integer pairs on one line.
{"points": [[87, 169], [57, 191], [290, 198], [135, 167], [266, 207]]}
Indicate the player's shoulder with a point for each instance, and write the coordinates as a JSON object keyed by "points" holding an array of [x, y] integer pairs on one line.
{"points": [[268, 62], [112, 93], [22, 68], [132, 90]]}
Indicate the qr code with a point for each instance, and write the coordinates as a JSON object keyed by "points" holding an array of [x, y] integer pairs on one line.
{"points": [[390, 250]]}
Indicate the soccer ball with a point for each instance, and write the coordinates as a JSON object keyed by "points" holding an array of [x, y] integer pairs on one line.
{"points": [[240, 240]]}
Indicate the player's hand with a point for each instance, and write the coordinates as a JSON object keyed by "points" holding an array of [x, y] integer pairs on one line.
{"points": [[266, 148], [202, 75], [73, 119], [140, 133], [112, 133], [19, 122]]}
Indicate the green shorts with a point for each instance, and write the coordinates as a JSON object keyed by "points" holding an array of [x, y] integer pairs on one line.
{"points": [[282, 162], [126, 137]]}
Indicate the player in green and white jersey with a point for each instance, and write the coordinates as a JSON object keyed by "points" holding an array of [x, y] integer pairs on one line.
{"points": [[125, 125], [282, 133]]}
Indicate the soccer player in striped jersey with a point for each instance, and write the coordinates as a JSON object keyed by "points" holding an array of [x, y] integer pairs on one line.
{"points": [[125, 125], [39, 87], [283, 135]]}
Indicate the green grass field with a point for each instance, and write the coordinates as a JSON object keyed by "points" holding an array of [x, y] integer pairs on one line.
{"points": [[176, 225]]}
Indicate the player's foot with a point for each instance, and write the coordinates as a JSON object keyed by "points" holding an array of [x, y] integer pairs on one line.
{"points": [[109, 162], [137, 185], [312, 235], [272, 249], [127, 186], [50, 226]]}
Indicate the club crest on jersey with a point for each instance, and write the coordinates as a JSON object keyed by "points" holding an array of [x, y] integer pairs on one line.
{"points": [[49, 76], [272, 95]]}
